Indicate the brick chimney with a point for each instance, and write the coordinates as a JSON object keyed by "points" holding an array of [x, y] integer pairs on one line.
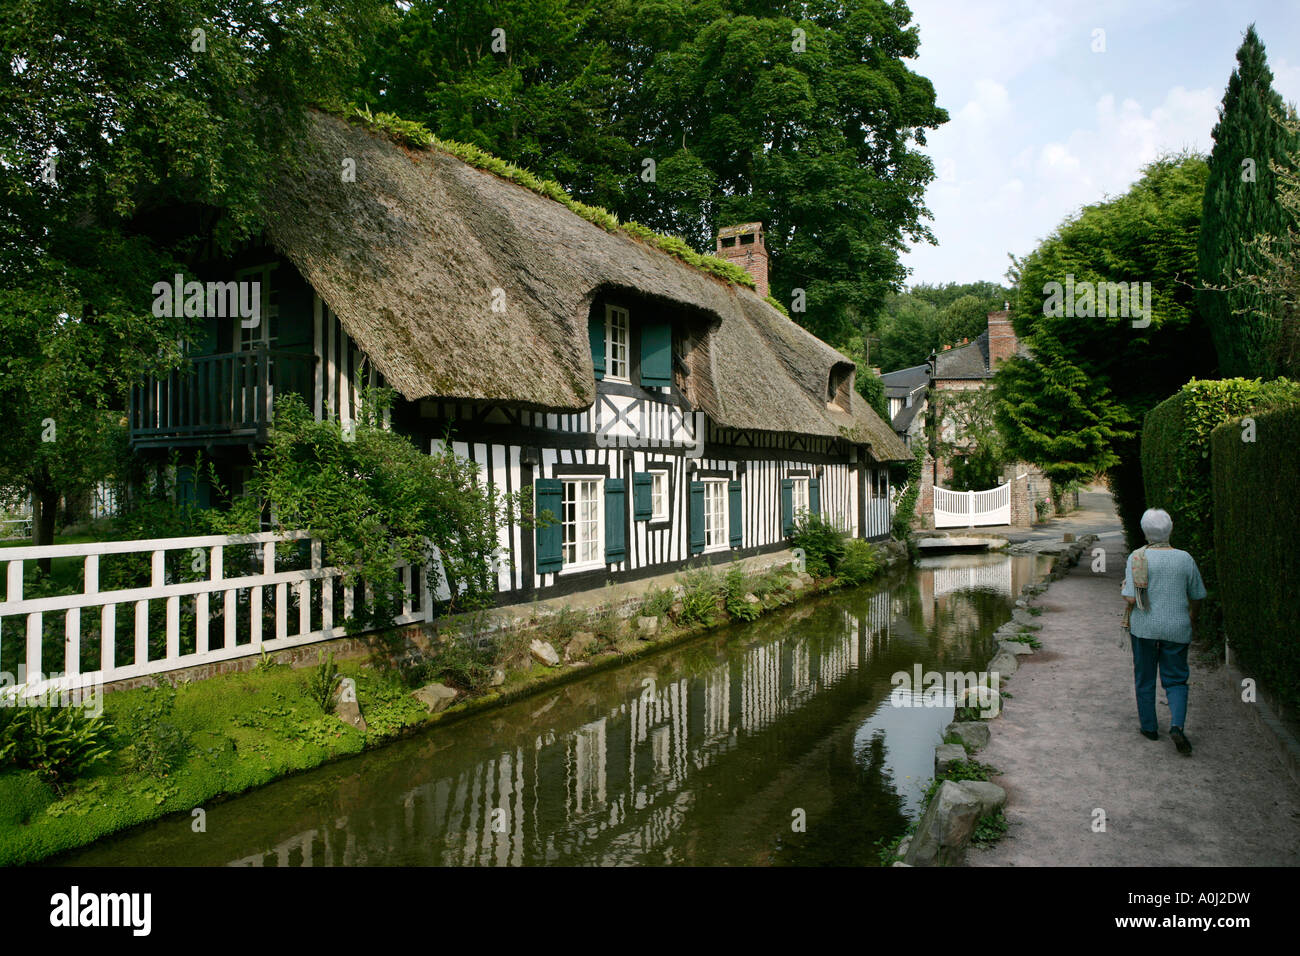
{"points": [[744, 246], [1002, 338]]}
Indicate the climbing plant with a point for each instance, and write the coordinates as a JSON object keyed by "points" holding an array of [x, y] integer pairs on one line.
{"points": [[376, 501]]}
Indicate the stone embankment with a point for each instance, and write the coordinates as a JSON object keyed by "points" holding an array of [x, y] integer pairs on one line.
{"points": [[949, 820]]}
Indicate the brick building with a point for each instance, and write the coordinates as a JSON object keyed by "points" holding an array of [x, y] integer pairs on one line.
{"points": [[964, 368]]}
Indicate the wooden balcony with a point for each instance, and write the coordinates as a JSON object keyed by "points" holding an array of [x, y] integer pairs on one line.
{"points": [[218, 399]]}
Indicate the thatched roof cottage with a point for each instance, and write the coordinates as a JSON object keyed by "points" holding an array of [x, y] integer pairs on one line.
{"points": [[605, 374]]}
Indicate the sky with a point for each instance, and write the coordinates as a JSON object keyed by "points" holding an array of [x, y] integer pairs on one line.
{"points": [[1041, 123]]}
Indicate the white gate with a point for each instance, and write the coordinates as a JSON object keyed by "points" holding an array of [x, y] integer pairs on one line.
{"points": [[969, 509]]}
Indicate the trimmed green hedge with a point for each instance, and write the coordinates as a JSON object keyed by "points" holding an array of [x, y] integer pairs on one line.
{"points": [[1176, 465], [1256, 532]]}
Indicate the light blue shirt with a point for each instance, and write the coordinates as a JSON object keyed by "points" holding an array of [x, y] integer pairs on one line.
{"points": [[1173, 579]]}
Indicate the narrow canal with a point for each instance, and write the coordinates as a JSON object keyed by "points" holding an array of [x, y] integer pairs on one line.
{"points": [[773, 743]]}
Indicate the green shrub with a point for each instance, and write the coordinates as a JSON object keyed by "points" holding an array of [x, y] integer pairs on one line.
{"points": [[562, 625], [1026, 638], [699, 597], [1256, 487], [607, 625], [859, 563], [322, 681], [22, 795], [57, 743], [991, 828], [969, 770], [461, 661], [735, 586], [1176, 468], [822, 543], [657, 602], [155, 745], [771, 580]]}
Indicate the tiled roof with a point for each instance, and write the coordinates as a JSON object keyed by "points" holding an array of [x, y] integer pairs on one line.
{"points": [[900, 382], [966, 361]]}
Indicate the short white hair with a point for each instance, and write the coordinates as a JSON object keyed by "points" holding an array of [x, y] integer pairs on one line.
{"points": [[1157, 525]]}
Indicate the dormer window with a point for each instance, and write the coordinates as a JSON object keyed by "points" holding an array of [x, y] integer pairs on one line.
{"points": [[839, 385], [616, 343]]}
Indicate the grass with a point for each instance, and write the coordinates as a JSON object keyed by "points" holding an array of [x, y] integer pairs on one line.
{"points": [[245, 730], [1026, 638], [991, 828]]}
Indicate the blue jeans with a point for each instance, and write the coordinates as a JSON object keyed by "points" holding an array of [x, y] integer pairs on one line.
{"points": [[1171, 660]]}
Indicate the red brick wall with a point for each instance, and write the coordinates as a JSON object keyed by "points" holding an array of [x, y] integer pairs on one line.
{"points": [[752, 256], [1002, 338]]}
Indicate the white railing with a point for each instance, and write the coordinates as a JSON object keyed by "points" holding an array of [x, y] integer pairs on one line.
{"points": [[250, 611], [969, 509]]}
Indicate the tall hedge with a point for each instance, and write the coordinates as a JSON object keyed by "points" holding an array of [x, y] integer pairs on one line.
{"points": [[1256, 531], [1176, 464]]}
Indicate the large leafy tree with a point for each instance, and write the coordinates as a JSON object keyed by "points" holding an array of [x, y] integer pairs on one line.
{"points": [[803, 115], [1240, 204], [926, 317], [1076, 407], [126, 129]]}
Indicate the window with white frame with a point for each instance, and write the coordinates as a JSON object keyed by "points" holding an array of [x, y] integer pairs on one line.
{"points": [[581, 522], [715, 514], [658, 496], [799, 494], [616, 343], [264, 332]]}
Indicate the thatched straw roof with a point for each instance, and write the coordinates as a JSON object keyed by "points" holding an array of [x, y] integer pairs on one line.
{"points": [[409, 256]]}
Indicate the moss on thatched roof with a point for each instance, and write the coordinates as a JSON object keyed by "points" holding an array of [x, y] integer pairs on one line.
{"points": [[461, 283]]}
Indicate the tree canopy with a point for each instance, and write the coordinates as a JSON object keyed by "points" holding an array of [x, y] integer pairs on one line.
{"points": [[1241, 202], [125, 129], [1076, 407], [688, 115]]}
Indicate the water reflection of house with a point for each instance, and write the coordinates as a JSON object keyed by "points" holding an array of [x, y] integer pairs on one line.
{"points": [[615, 788]]}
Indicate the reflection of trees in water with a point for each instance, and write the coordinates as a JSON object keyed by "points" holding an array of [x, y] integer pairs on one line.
{"points": [[618, 788], [703, 764]]}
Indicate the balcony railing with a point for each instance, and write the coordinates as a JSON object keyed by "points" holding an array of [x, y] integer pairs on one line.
{"points": [[224, 398]]}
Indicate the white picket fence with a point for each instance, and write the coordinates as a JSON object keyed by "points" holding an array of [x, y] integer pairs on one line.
{"points": [[236, 604], [969, 509]]}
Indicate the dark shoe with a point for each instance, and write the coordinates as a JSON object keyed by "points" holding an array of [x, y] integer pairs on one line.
{"points": [[1150, 735], [1176, 735]]}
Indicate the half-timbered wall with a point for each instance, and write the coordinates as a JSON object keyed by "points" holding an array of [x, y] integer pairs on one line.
{"points": [[627, 431], [567, 446], [340, 367]]}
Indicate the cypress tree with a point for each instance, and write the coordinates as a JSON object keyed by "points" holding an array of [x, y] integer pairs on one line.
{"points": [[1241, 203]]}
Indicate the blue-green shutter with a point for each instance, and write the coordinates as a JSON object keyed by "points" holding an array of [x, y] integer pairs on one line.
{"points": [[737, 527], [787, 507], [656, 354], [550, 497], [814, 496], [642, 508], [697, 517], [615, 513], [596, 332]]}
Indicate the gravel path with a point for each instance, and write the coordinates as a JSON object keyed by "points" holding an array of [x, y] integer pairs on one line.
{"points": [[1068, 744]]}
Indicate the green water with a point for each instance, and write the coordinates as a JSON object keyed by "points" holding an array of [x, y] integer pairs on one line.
{"points": [[773, 743]]}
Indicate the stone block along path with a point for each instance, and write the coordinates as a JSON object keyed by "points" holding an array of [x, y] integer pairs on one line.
{"points": [[1067, 743]]}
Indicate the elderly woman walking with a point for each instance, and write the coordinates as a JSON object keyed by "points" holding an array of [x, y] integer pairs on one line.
{"points": [[1163, 591]]}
